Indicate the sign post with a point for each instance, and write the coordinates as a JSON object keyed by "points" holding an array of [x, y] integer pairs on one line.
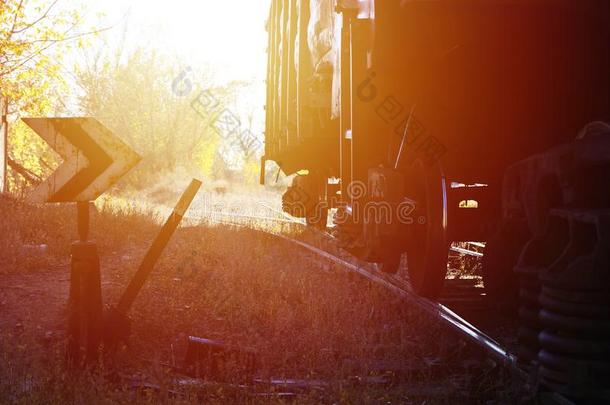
{"points": [[85, 302], [94, 159]]}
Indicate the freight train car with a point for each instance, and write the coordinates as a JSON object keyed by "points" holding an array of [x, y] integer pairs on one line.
{"points": [[428, 122]]}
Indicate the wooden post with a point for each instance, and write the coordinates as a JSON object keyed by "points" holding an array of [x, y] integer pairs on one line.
{"points": [[116, 322], [85, 293], [82, 219], [160, 242]]}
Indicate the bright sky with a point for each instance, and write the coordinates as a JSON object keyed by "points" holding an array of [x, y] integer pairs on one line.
{"points": [[227, 34]]}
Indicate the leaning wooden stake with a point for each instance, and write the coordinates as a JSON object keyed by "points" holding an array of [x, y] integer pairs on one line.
{"points": [[117, 325]]}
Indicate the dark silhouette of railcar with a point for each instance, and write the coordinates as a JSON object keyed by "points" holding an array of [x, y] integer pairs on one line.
{"points": [[429, 122]]}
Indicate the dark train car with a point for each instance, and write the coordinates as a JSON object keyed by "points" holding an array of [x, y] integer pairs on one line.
{"points": [[298, 132], [429, 122]]}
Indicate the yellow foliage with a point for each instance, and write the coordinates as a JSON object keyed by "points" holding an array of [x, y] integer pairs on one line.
{"points": [[34, 37], [204, 155]]}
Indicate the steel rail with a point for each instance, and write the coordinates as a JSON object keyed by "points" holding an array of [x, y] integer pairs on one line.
{"points": [[435, 309], [466, 251], [264, 218]]}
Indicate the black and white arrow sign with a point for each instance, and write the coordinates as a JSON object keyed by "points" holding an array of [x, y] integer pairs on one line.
{"points": [[94, 159]]}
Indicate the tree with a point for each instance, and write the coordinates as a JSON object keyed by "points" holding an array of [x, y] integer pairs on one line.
{"points": [[34, 36], [166, 113], [33, 40]]}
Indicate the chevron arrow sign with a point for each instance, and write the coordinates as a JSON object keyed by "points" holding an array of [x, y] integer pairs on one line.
{"points": [[93, 159]]}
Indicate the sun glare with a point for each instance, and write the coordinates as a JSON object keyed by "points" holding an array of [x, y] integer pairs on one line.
{"points": [[229, 35]]}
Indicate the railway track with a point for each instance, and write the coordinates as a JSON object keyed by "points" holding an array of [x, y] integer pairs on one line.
{"points": [[462, 296], [462, 307]]}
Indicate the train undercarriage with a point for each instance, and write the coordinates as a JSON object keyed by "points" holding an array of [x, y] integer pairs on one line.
{"points": [[420, 124]]}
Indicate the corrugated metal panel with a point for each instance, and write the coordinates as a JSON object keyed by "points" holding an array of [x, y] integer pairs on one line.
{"points": [[298, 127], [288, 72]]}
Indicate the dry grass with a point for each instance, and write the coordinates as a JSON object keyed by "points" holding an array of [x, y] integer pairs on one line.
{"points": [[54, 225], [304, 318]]}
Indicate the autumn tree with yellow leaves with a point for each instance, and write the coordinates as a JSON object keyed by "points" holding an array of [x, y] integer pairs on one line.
{"points": [[131, 91], [35, 35]]}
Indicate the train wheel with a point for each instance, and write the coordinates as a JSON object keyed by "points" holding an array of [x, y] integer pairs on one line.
{"points": [[427, 246]]}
